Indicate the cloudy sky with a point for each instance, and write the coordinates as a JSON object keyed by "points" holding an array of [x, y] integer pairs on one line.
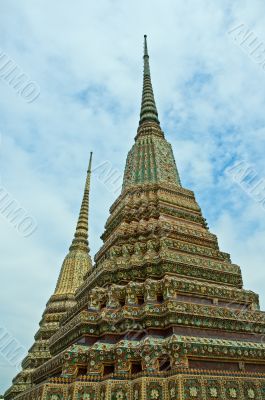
{"points": [[86, 57]]}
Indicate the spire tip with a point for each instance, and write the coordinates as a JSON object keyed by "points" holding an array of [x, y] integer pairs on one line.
{"points": [[80, 240], [145, 46], [90, 162], [148, 107]]}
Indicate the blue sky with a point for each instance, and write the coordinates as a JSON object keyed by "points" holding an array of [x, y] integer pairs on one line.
{"points": [[86, 58]]}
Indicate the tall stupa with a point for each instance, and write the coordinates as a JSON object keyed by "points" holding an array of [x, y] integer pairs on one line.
{"points": [[162, 313]]}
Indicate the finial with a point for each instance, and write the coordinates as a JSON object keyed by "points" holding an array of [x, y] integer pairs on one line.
{"points": [[148, 107], [90, 163], [80, 240], [145, 46]]}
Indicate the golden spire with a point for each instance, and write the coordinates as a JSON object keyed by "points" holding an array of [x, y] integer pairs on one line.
{"points": [[80, 240], [78, 261]]}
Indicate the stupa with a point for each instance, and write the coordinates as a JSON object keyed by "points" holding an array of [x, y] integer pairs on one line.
{"points": [[162, 314]]}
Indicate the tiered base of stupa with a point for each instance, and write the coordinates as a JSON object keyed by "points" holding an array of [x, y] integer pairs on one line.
{"points": [[180, 384], [161, 316]]}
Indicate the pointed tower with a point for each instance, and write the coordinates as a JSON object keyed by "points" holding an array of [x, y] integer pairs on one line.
{"points": [[148, 108], [163, 314], [78, 261], [76, 265], [151, 159]]}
